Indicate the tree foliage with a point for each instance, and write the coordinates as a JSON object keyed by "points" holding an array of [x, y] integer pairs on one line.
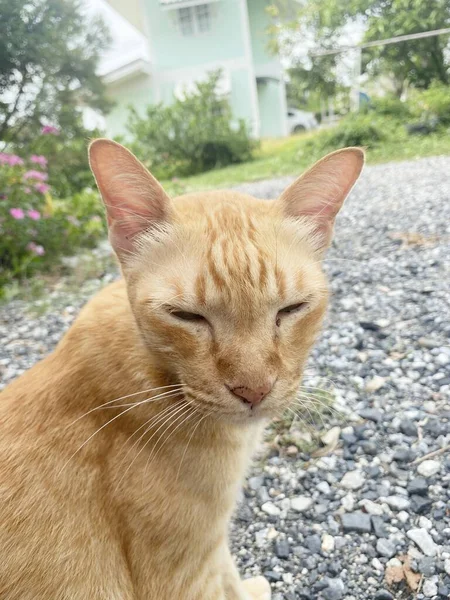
{"points": [[49, 52], [325, 23]]}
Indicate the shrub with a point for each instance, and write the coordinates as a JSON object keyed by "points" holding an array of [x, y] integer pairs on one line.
{"points": [[68, 165], [192, 135], [391, 106], [432, 102], [34, 228]]}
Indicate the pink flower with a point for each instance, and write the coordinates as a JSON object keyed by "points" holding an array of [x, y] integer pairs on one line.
{"points": [[34, 214], [10, 159], [42, 188], [36, 249], [17, 213], [38, 160], [27, 190], [39, 175], [49, 130]]}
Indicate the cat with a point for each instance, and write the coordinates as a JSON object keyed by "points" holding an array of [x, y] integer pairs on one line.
{"points": [[123, 451]]}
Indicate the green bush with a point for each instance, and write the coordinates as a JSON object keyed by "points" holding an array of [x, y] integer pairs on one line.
{"points": [[432, 102], [68, 165], [391, 106], [192, 135], [353, 130], [35, 229]]}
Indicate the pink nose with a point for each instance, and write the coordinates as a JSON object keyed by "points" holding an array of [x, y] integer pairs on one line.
{"points": [[252, 396]]}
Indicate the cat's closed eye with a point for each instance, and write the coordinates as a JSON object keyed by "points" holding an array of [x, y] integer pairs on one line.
{"points": [[291, 309], [183, 315]]}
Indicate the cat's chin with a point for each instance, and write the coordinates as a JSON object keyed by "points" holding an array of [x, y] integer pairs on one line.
{"points": [[244, 419]]}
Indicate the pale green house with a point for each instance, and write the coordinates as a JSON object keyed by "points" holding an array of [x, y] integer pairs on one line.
{"points": [[186, 39]]}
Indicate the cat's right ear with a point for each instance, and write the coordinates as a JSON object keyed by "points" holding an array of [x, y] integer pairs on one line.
{"points": [[134, 199]]}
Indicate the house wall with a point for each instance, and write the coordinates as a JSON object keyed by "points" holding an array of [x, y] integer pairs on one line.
{"points": [[272, 108], [171, 50], [266, 64], [237, 43], [137, 92]]}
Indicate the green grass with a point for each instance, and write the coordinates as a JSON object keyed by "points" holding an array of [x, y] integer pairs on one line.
{"points": [[291, 156]]}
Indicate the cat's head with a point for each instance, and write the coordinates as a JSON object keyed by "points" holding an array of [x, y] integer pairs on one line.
{"points": [[227, 290]]}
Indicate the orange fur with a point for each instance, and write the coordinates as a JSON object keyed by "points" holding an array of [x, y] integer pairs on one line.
{"points": [[131, 499]]}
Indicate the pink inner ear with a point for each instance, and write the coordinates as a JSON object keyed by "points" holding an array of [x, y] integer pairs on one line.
{"points": [[133, 198], [321, 191]]}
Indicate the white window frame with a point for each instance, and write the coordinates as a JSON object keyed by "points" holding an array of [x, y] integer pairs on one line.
{"points": [[195, 19]]}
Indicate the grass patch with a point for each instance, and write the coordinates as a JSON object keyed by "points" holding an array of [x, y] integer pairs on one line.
{"points": [[291, 156]]}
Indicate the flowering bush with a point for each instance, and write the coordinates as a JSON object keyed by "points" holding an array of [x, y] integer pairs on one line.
{"points": [[34, 228]]}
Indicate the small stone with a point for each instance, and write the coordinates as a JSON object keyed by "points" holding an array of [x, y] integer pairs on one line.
{"points": [[331, 437], [357, 521], [327, 543], [425, 523], [423, 541], [386, 548], [282, 549], [301, 503], [442, 359], [427, 566], [353, 480], [335, 590], [403, 516], [420, 505], [429, 588], [379, 527], [270, 509], [348, 502], [375, 384], [408, 428], [397, 502], [394, 563], [447, 566], [369, 326], [429, 468], [292, 451], [255, 483], [383, 595], [313, 543], [272, 576], [371, 414], [324, 488], [444, 592], [371, 508], [428, 343], [418, 486], [377, 565]]}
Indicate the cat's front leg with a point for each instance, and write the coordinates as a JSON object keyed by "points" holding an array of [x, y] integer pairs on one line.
{"points": [[256, 588]]}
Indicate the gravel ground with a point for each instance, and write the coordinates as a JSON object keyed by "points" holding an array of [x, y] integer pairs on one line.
{"points": [[370, 517]]}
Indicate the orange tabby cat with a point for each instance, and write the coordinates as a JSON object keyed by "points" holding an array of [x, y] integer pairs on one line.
{"points": [[121, 453]]}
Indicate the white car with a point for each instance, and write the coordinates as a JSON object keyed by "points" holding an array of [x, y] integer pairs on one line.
{"points": [[300, 120]]}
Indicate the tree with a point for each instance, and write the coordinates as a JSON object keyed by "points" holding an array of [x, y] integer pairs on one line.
{"points": [[416, 63], [49, 53]]}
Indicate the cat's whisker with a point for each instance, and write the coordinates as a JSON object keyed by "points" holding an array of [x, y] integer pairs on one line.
{"points": [[124, 398], [151, 399], [189, 415], [208, 414], [166, 413], [168, 424]]}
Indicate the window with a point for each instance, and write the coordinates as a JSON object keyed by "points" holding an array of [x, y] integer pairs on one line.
{"points": [[194, 19]]}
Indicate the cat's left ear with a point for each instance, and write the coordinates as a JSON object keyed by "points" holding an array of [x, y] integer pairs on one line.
{"points": [[134, 199], [319, 193]]}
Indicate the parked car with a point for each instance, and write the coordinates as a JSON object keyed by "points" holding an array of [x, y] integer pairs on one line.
{"points": [[300, 120]]}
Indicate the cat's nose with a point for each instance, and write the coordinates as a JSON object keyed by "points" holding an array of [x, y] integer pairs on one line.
{"points": [[249, 395]]}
